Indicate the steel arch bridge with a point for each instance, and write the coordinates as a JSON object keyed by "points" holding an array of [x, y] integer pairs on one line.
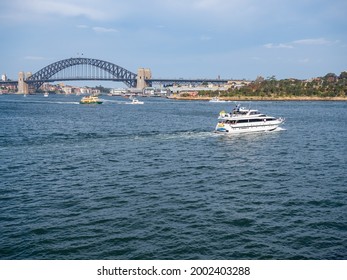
{"points": [[81, 68]]}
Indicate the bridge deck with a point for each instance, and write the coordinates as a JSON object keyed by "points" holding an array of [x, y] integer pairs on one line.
{"points": [[187, 80], [122, 80]]}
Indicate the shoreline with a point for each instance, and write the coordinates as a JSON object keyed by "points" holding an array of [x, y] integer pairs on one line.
{"points": [[259, 98]]}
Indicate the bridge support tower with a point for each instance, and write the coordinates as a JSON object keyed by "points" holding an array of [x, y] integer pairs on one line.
{"points": [[142, 75], [23, 87]]}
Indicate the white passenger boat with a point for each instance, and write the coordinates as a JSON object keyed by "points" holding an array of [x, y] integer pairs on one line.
{"points": [[242, 120]]}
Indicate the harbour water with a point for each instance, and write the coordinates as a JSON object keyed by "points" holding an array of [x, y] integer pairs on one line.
{"points": [[153, 181]]}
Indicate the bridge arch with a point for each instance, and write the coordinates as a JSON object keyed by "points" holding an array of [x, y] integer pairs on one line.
{"points": [[116, 72]]}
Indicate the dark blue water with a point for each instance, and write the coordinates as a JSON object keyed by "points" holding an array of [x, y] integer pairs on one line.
{"points": [[153, 181]]}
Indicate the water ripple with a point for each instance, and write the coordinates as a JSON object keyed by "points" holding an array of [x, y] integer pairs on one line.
{"points": [[154, 182]]}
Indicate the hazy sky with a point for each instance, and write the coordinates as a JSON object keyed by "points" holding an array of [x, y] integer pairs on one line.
{"points": [[179, 38]]}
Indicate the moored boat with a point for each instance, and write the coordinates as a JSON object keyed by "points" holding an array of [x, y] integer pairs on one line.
{"points": [[90, 100], [216, 100], [242, 120]]}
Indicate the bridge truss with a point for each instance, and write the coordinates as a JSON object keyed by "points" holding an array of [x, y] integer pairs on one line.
{"points": [[81, 68]]}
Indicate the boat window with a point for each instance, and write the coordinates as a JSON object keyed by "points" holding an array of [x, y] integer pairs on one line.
{"points": [[255, 120], [241, 112], [242, 121]]}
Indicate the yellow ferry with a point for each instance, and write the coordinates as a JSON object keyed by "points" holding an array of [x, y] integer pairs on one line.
{"points": [[90, 100]]}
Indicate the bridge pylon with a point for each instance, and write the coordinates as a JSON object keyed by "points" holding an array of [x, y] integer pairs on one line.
{"points": [[143, 74], [23, 87]]}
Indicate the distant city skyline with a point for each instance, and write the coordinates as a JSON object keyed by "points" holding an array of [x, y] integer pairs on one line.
{"points": [[191, 39]]}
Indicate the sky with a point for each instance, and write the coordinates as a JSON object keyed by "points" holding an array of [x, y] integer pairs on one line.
{"points": [[236, 39]]}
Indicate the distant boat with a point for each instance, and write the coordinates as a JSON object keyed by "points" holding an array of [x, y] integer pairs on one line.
{"points": [[46, 94], [135, 101], [90, 100], [216, 100]]}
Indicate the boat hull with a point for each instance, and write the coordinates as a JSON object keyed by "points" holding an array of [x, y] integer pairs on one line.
{"points": [[97, 102], [225, 128], [135, 103]]}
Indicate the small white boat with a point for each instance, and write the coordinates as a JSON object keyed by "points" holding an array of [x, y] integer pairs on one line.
{"points": [[46, 94], [216, 100], [242, 120], [135, 101]]}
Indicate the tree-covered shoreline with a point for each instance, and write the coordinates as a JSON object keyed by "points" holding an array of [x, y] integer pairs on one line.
{"points": [[331, 86]]}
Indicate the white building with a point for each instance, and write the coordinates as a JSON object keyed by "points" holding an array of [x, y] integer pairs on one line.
{"points": [[67, 89], [3, 77]]}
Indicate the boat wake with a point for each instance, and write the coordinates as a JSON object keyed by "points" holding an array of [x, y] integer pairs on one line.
{"points": [[44, 102], [178, 135], [61, 102], [187, 135], [112, 101], [279, 129]]}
